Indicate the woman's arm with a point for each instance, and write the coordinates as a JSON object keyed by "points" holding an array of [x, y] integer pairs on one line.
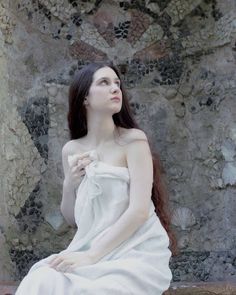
{"points": [[68, 203], [68, 195], [141, 178]]}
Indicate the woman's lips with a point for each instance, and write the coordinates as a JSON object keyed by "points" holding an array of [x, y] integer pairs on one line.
{"points": [[116, 98]]}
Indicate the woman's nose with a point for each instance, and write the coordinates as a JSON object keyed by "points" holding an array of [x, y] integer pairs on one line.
{"points": [[115, 88]]}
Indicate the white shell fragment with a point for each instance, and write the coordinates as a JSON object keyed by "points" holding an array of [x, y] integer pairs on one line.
{"points": [[183, 217]]}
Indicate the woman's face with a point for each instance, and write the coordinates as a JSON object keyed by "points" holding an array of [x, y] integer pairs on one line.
{"points": [[105, 86]]}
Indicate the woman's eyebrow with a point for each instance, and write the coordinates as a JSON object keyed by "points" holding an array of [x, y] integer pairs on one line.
{"points": [[108, 78]]}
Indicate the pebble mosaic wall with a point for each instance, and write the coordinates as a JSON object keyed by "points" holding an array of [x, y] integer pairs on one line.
{"points": [[177, 59]]}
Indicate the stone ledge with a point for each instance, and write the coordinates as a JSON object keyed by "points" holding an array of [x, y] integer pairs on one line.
{"points": [[211, 288], [202, 288], [8, 287]]}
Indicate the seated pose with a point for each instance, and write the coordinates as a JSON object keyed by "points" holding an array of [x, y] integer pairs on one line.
{"points": [[112, 194]]}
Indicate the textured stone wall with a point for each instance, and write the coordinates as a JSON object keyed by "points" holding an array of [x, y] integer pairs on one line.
{"points": [[177, 59]]}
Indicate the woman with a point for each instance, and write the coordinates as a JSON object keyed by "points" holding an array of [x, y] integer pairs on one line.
{"points": [[112, 192]]}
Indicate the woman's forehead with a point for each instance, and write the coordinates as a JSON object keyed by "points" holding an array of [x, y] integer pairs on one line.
{"points": [[105, 72]]}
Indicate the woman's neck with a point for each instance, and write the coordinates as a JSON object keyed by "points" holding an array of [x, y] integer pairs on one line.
{"points": [[100, 134]]}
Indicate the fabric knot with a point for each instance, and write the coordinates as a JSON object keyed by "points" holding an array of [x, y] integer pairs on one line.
{"points": [[94, 188]]}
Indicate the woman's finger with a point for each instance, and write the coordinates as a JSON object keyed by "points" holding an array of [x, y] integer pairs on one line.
{"points": [[61, 265], [56, 261], [73, 159], [72, 266], [64, 266], [81, 156], [83, 163], [52, 260]]}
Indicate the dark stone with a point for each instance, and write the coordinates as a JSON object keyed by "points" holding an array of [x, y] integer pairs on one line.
{"points": [[55, 36], [35, 115], [122, 30], [23, 260], [29, 217], [73, 3], [165, 22], [134, 71], [216, 13], [31, 197], [76, 19], [209, 101], [39, 204], [47, 13], [30, 15], [198, 11], [31, 211], [162, 4], [200, 266], [32, 204], [170, 69]]}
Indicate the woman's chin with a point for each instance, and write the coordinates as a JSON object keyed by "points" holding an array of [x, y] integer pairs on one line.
{"points": [[115, 109]]}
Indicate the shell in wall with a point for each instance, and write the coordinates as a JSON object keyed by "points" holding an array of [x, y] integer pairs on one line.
{"points": [[183, 242], [183, 217]]}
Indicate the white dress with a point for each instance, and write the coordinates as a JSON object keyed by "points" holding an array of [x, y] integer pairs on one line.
{"points": [[139, 266]]}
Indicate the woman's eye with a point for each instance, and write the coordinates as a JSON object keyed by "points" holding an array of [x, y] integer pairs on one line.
{"points": [[106, 82]]}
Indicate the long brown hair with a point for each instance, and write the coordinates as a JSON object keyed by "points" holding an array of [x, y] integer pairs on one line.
{"points": [[77, 123]]}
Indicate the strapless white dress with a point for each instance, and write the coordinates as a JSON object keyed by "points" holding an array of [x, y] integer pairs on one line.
{"points": [[139, 266]]}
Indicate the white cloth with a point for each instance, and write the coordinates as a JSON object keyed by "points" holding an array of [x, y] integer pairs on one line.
{"points": [[139, 266]]}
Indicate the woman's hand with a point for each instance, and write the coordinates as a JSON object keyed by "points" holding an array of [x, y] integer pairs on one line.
{"points": [[67, 262], [77, 164]]}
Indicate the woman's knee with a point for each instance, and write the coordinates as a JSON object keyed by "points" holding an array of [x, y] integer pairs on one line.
{"points": [[43, 278]]}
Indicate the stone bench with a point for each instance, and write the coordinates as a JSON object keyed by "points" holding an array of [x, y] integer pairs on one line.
{"points": [[211, 288], [202, 288], [8, 288]]}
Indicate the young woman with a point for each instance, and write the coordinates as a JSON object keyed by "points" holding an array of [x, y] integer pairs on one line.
{"points": [[112, 192]]}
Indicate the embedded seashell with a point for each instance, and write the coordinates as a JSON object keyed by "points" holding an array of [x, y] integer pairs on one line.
{"points": [[153, 7], [183, 217], [52, 91], [183, 242]]}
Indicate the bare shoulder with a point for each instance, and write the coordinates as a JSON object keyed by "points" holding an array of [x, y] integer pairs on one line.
{"points": [[67, 148], [133, 135], [70, 147], [136, 144], [139, 156]]}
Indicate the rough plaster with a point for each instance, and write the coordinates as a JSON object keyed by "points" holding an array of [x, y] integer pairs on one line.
{"points": [[177, 60]]}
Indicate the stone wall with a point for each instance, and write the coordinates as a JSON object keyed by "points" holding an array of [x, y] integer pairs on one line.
{"points": [[177, 59]]}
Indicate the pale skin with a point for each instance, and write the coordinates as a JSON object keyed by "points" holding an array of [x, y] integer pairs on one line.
{"points": [[134, 154]]}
